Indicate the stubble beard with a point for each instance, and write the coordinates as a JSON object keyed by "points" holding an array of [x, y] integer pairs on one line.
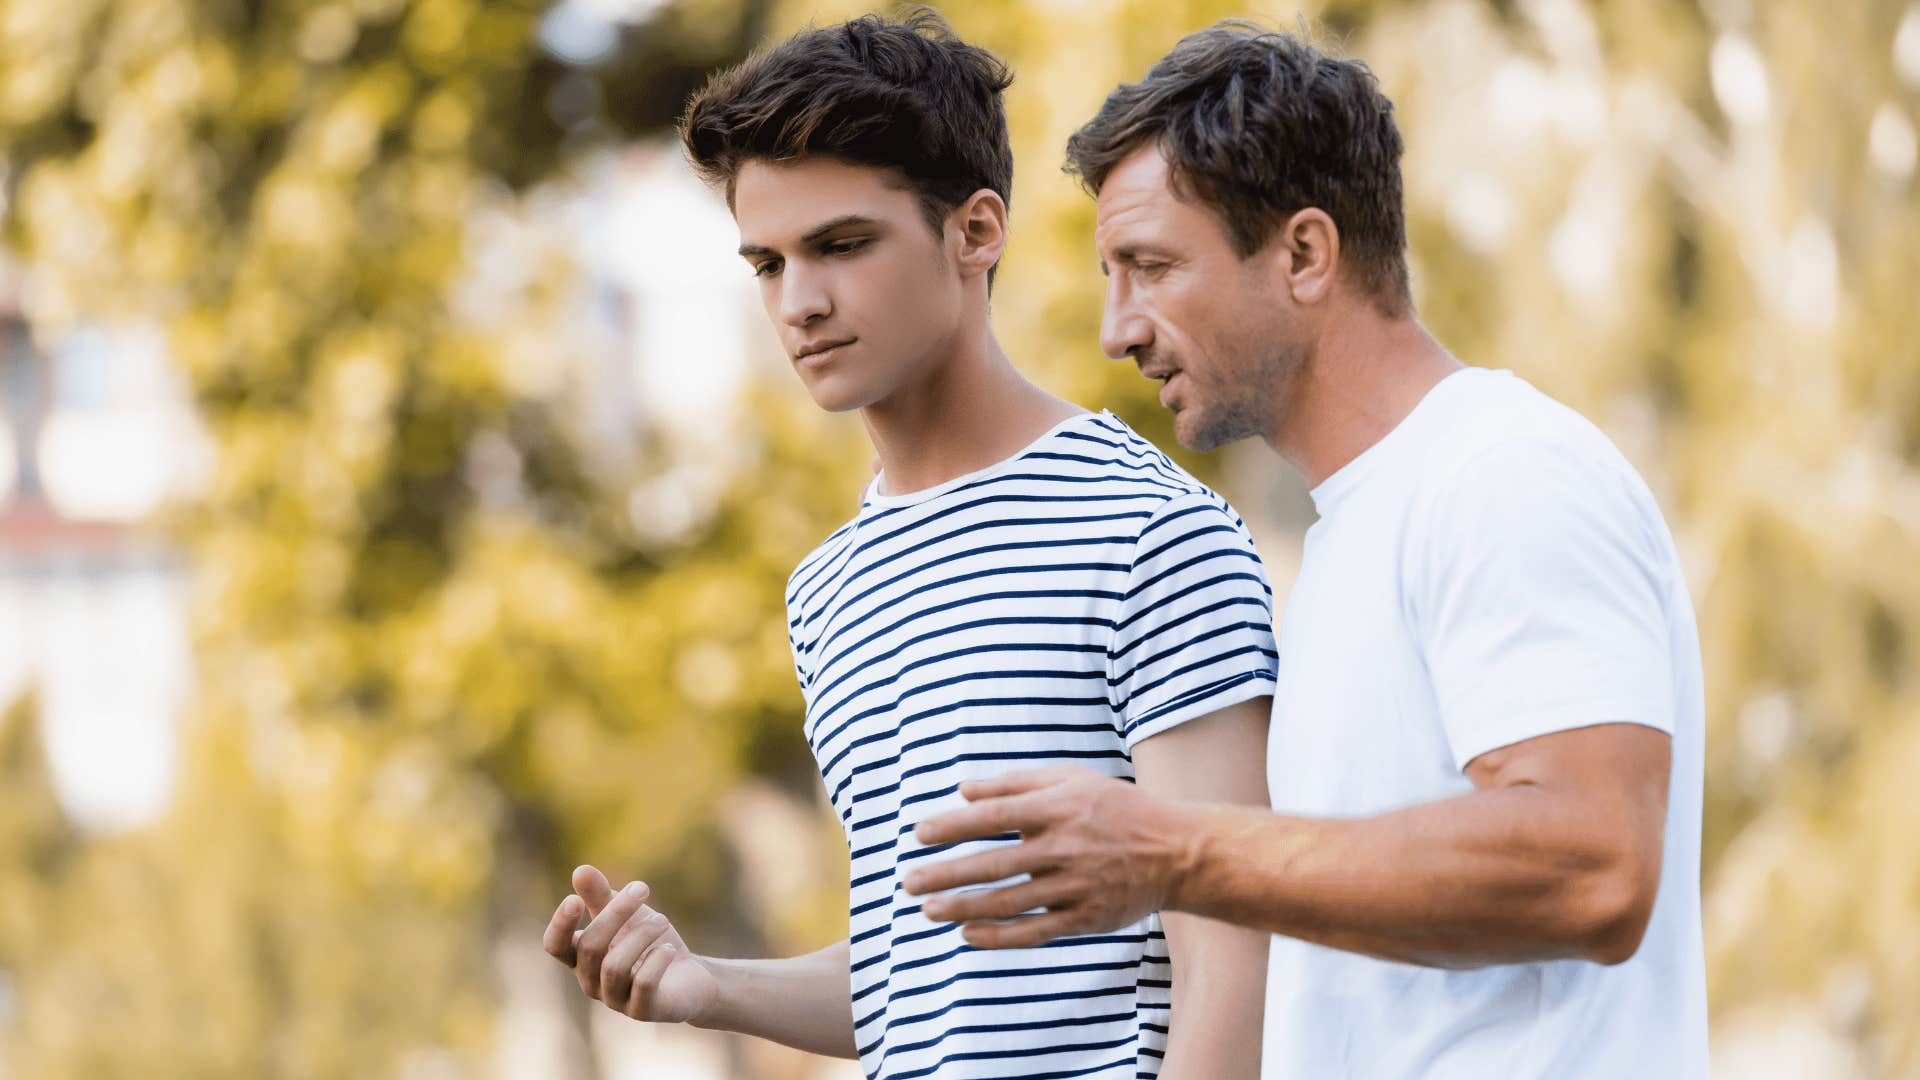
{"points": [[1253, 405]]}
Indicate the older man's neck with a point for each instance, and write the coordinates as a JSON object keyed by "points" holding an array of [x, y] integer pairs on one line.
{"points": [[1365, 375]]}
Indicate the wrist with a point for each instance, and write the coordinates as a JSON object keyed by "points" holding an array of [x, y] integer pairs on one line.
{"points": [[1186, 856], [714, 1016]]}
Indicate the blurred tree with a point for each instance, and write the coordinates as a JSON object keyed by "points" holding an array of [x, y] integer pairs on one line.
{"points": [[36, 847], [442, 660]]}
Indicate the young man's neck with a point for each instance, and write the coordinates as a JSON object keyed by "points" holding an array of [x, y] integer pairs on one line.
{"points": [[972, 411], [1365, 373]]}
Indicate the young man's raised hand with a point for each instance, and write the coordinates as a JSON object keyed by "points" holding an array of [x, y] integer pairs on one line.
{"points": [[631, 959], [628, 956]]}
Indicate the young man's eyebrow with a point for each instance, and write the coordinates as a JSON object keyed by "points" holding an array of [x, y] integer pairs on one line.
{"points": [[815, 233], [841, 222]]}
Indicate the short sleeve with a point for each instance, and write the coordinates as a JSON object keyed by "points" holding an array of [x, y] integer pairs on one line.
{"points": [[1537, 585], [1195, 627]]}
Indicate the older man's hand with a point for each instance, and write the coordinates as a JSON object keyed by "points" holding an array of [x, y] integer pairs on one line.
{"points": [[1100, 854]]}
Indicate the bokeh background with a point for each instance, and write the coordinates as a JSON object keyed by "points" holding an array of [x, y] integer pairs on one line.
{"points": [[398, 478]]}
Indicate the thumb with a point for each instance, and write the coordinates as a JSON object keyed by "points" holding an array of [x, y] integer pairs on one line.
{"points": [[592, 886]]}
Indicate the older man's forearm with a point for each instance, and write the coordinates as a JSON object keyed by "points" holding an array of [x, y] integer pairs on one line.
{"points": [[1500, 876]]}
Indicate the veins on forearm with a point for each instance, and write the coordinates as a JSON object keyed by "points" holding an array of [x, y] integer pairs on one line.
{"points": [[1443, 886]]}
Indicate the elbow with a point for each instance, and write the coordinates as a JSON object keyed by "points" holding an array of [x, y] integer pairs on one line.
{"points": [[1613, 910]]}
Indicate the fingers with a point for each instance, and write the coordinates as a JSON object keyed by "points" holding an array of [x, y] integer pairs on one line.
{"points": [[592, 886], [1027, 932], [983, 820], [646, 979], [558, 940], [1016, 783], [1014, 900], [590, 945], [983, 869], [616, 972]]}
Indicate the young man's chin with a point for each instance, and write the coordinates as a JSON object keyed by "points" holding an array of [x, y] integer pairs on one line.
{"points": [[834, 396]]}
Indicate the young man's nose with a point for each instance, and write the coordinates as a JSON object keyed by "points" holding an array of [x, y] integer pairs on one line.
{"points": [[803, 298]]}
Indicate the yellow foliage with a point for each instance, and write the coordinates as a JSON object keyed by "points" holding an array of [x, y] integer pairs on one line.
{"points": [[441, 662]]}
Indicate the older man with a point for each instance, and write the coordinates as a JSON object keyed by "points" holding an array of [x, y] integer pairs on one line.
{"points": [[1486, 753]]}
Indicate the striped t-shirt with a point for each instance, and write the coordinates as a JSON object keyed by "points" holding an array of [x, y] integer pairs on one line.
{"points": [[1059, 606]]}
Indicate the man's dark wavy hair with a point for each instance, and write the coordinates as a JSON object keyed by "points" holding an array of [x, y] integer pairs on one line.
{"points": [[1258, 125], [907, 95]]}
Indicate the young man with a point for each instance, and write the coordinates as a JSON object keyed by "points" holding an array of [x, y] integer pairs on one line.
{"points": [[1487, 749], [1025, 582]]}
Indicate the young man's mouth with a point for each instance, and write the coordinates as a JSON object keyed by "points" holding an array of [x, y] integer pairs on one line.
{"points": [[817, 353]]}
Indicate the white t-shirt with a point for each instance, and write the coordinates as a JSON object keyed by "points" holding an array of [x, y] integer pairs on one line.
{"points": [[1490, 571], [1059, 607]]}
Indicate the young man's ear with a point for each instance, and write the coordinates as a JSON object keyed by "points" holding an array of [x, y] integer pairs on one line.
{"points": [[979, 232]]}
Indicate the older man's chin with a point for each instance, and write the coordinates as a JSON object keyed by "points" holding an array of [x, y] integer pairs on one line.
{"points": [[1199, 431]]}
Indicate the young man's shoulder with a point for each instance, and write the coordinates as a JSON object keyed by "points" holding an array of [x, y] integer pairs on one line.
{"points": [[820, 558], [1109, 440], [1146, 479], [1093, 466]]}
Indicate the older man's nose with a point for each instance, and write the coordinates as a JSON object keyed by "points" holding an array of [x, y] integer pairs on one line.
{"points": [[1122, 328]]}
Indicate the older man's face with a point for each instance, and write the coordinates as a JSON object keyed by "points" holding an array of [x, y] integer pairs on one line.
{"points": [[1183, 304]]}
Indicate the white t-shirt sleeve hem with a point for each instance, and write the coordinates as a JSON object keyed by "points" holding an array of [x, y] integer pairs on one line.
{"points": [[1538, 594], [1495, 733]]}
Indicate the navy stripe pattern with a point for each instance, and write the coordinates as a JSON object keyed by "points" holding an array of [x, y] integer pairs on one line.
{"points": [[1060, 606]]}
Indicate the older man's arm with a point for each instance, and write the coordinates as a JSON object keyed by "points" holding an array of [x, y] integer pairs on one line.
{"points": [[1555, 855], [1219, 970]]}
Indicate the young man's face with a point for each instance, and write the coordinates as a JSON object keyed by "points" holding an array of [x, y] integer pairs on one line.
{"points": [[1213, 327], [860, 290]]}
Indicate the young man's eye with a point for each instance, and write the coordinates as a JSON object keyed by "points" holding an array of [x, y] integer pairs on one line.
{"points": [[844, 247], [767, 269]]}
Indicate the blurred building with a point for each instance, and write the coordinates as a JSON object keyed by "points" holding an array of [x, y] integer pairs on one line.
{"points": [[95, 435]]}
